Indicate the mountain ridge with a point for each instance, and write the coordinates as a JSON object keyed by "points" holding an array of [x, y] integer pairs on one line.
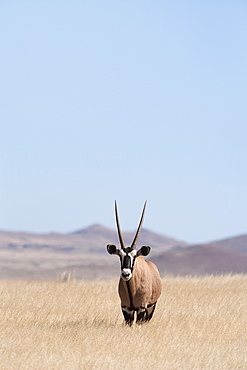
{"points": [[83, 251], [91, 238], [202, 259]]}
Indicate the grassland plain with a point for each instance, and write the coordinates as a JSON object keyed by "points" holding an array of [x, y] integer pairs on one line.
{"points": [[199, 323]]}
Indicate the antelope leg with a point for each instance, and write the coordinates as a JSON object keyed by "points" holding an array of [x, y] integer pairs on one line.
{"points": [[128, 315], [150, 310], [141, 315]]}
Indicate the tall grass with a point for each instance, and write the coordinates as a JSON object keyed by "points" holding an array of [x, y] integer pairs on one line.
{"points": [[199, 323]]}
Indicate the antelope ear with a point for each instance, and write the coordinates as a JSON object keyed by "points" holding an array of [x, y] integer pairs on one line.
{"points": [[143, 251], [112, 249]]}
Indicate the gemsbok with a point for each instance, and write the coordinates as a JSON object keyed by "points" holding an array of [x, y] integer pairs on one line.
{"points": [[139, 284]]}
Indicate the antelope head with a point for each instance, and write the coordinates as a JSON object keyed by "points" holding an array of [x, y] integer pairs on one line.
{"points": [[128, 254]]}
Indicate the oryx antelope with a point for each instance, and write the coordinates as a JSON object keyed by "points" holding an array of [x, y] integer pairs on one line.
{"points": [[139, 284]]}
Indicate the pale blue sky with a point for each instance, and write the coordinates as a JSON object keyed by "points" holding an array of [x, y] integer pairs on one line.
{"points": [[126, 100]]}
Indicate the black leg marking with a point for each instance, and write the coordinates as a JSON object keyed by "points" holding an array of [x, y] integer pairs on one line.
{"points": [[141, 315], [128, 316], [150, 311]]}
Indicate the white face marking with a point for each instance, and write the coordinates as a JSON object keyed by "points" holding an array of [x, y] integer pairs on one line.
{"points": [[127, 261], [126, 274]]}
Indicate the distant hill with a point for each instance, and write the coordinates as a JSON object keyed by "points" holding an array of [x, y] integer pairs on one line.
{"points": [[237, 244], [83, 253], [47, 256], [92, 239], [201, 260]]}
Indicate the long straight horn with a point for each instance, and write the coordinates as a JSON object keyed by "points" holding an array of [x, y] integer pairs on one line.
{"points": [[118, 227], [133, 245]]}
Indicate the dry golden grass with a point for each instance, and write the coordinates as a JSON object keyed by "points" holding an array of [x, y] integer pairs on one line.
{"points": [[199, 323]]}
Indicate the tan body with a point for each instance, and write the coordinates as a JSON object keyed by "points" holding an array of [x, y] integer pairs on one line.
{"points": [[144, 286]]}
